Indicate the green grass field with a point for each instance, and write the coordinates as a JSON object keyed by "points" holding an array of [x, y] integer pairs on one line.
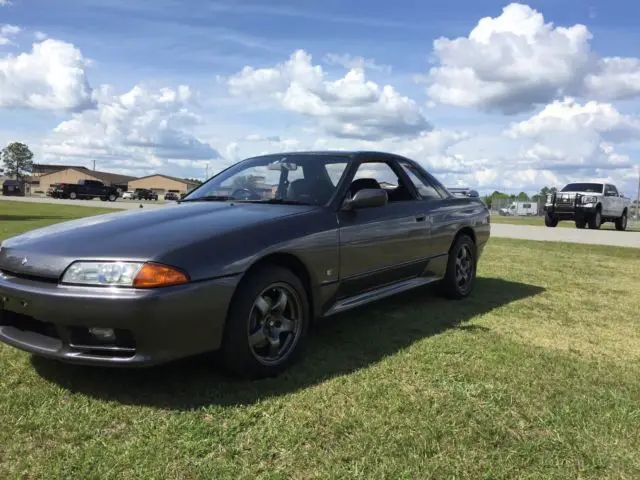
{"points": [[632, 225], [537, 375]]}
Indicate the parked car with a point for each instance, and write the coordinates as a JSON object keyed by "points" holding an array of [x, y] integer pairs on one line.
{"points": [[245, 277], [85, 189], [144, 194], [171, 196], [589, 204], [52, 188], [127, 196]]}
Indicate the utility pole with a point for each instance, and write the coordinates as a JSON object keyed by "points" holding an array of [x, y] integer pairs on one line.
{"points": [[638, 197], [206, 176], [94, 165]]}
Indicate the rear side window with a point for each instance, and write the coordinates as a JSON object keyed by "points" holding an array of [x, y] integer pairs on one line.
{"points": [[423, 185]]}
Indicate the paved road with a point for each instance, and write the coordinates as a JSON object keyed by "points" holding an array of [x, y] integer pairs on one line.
{"points": [[596, 237], [118, 204], [525, 232]]}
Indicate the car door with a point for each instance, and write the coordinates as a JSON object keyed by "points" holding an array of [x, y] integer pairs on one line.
{"points": [[382, 245], [610, 206]]}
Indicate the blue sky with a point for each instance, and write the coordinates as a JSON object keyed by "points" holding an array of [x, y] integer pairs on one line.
{"points": [[203, 44]]}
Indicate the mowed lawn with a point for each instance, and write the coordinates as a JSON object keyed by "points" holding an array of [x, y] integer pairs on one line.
{"points": [[537, 375], [632, 225]]}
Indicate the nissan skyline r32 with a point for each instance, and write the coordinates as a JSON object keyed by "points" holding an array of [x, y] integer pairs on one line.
{"points": [[242, 265]]}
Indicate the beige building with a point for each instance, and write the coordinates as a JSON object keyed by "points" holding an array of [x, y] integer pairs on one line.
{"points": [[43, 181], [162, 184]]}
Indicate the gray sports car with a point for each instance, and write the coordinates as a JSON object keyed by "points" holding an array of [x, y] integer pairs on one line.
{"points": [[243, 264]]}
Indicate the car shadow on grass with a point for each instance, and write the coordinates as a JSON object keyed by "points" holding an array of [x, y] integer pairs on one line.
{"points": [[26, 218], [337, 346]]}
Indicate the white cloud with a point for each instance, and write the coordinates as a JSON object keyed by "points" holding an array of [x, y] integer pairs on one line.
{"points": [[136, 132], [515, 61], [51, 77], [40, 36], [4, 3], [568, 117], [7, 31], [350, 107], [350, 62], [510, 62]]}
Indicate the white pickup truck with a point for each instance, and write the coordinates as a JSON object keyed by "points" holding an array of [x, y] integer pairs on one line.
{"points": [[589, 204]]}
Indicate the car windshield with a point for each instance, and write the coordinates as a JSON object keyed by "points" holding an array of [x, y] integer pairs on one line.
{"points": [[583, 187], [309, 179]]}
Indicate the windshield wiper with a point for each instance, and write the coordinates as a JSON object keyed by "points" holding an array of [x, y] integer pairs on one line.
{"points": [[209, 198], [279, 201]]}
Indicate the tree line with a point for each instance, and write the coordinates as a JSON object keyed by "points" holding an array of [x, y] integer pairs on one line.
{"points": [[521, 197]]}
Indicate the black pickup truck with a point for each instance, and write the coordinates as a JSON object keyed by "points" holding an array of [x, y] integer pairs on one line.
{"points": [[85, 189]]}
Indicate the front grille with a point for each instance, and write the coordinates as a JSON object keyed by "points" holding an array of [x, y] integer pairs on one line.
{"points": [[26, 323], [24, 276]]}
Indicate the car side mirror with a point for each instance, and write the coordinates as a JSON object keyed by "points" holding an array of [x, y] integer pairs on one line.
{"points": [[473, 194], [366, 198]]}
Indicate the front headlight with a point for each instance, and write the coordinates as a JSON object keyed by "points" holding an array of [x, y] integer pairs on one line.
{"points": [[589, 199], [549, 198], [123, 274], [117, 274]]}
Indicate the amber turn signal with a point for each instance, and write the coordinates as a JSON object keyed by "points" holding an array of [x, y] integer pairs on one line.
{"points": [[153, 275]]}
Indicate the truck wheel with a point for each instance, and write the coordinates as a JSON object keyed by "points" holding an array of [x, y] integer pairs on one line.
{"points": [[550, 220], [73, 195], [113, 197], [104, 199], [581, 223], [595, 220], [621, 222]]}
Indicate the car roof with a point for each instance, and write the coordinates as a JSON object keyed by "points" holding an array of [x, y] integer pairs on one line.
{"points": [[342, 153]]}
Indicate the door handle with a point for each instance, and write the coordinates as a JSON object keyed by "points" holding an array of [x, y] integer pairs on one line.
{"points": [[421, 218]]}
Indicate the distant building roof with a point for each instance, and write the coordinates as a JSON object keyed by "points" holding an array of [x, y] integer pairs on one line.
{"points": [[106, 177], [182, 180], [50, 167]]}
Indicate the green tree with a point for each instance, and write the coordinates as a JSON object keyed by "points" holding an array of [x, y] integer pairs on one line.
{"points": [[245, 181], [523, 197], [17, 160]]}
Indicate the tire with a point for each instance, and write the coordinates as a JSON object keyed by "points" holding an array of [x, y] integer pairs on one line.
{"points": [[104, 199], [581, 223], [246, 321], [595, 220], [621, 222], [550, 220], [460, 277], [73, 195], [112, 197]]}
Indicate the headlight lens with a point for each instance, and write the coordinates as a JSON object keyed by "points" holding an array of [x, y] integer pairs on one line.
{"points": [[124, 274], [549, 198], [117, 274], [589, 199]]}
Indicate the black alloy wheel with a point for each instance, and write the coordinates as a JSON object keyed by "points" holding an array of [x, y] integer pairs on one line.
{"points": [[461, 269], [266, 327]]}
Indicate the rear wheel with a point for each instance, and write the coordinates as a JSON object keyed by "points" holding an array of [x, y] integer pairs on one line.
{"points": [[550, 220], [621, 222], [267, 324], [104, 199], [73, 195], [461, 269], [113, 197], [595, 220]]}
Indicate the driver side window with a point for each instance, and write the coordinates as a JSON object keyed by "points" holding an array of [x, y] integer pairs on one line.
{"points": [[380, 175]]}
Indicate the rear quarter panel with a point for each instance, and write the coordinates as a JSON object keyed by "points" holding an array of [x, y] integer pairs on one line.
{"points": [[454, 214]]}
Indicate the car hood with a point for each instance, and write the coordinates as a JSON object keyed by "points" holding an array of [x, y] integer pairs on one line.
{"points": [[135, 235]]}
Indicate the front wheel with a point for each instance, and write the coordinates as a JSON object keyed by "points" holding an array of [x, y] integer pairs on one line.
{"points": [[113, 197], [267, 324], [581, 223], [621, 222], [73, 195], [595, 221], [461, 269], [550, 220]]}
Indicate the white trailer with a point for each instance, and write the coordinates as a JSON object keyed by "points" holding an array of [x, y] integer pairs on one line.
{"points": [[521, 209]]}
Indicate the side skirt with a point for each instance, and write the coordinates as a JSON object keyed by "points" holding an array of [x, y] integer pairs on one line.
{"points": [[379, 293]]}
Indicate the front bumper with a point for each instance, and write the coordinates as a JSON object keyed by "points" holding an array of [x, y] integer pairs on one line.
{"points": [[154, 326], [570, 210]]}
